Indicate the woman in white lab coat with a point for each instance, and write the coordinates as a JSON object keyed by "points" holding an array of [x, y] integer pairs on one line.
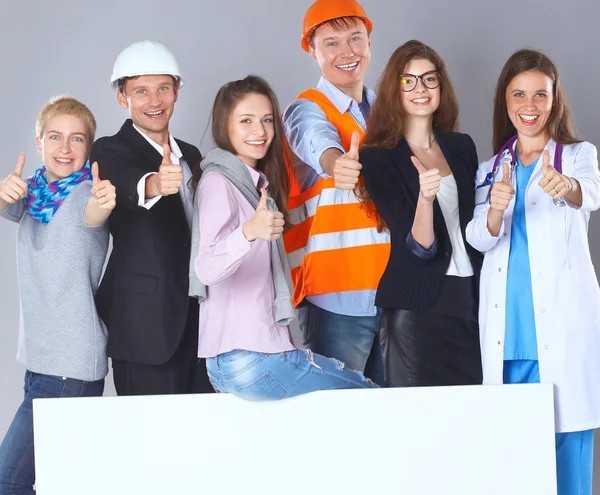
{"points": [[539, 312]]}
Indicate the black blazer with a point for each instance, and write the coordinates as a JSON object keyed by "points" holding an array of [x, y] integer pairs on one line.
{"points": [[410, 282], [143, 296]]}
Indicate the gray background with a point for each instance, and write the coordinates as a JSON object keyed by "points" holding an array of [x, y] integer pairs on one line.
{"points": [[69, 47]]}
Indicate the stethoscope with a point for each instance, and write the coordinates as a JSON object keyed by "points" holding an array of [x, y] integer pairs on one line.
{"points": [[509, 145]]}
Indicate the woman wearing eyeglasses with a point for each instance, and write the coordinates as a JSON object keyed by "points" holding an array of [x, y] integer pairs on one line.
{"points": [[419, 177]]}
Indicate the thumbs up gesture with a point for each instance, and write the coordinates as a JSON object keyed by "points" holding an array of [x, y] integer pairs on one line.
{"points": [[553, 183], [102, 190], [14, 188], [265, 224], [502, 191], [170, 177], [346, 169], [429, 181]]}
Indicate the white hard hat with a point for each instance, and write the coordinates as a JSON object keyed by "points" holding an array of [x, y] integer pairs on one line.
{"points": [[145, 58]]}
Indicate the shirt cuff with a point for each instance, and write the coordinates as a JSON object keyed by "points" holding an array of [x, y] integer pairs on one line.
{"points": [[237, 244], [141, 190], [488, 234], [418, 250], [317, 152]]}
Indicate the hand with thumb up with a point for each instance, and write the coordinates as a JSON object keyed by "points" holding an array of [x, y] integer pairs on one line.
{"points": [[13, 188], [265, 224], [170, 176], [103, 191], [553, 183], [346, 169], [502, 191], [429, 181]]}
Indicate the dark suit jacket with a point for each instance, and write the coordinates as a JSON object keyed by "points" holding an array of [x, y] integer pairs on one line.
{"points": [[410, 282], [143, 296]]}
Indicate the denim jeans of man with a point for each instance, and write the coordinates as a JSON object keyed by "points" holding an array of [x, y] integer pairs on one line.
{"points": [[17, 468], [354, 340], [261, 376]]}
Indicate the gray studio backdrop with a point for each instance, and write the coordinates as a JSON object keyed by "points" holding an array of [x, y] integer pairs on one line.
{"points": [[69, 47]]}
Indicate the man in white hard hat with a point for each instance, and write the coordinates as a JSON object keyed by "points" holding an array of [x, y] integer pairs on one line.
{"points": [[143, 298]]}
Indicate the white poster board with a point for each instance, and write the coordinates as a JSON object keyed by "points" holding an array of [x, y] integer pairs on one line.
{"points": [[477, 440]]}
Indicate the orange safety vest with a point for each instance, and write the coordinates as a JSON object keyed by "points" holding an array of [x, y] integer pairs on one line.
{"points": [[332, 245]]}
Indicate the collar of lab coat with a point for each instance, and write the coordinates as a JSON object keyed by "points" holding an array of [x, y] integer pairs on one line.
{"points": [[550, 146]]}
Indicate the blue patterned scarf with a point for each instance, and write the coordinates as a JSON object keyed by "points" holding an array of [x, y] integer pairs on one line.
{"points": [[43, 199]]}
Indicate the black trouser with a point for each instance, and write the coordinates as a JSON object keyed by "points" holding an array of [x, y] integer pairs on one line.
{"points": [[439, 346], [184, 373]]}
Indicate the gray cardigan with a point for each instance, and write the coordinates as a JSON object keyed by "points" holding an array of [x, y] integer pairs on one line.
{"points": [[59, 266]]}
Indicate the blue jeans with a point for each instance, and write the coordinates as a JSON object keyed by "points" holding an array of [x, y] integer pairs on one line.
{"points": [[260, 376], [574, 450], [354, 340], [17, 469]]}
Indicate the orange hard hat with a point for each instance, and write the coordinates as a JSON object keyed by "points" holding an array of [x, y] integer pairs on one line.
{"points": [[325, 10]]}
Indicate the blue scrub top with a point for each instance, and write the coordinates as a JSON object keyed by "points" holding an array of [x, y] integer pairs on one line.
{"points": [[520, 341]]}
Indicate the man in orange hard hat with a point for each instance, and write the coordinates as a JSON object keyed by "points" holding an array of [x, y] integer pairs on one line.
{"points": [[335, 253]]}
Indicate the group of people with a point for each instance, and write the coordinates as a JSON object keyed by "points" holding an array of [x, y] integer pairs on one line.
{"points": [[411, 263]]}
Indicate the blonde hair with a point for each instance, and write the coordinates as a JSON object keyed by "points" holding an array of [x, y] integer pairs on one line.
{"points": [[66, 105]]}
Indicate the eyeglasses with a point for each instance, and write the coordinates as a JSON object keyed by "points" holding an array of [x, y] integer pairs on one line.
{"points": [[430, 80]]}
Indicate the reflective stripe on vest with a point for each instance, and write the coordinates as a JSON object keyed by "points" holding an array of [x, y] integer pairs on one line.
{"points": [[332, 244]]}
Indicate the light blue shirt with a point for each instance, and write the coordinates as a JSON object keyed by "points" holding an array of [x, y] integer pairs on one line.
{"points": [[520, 340], [309, 134]]}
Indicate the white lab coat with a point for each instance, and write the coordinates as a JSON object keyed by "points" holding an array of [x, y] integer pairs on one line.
{"points": [[566, 296]]}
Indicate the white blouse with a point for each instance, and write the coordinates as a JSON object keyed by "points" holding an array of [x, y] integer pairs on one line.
{"points": [[460, 264]]}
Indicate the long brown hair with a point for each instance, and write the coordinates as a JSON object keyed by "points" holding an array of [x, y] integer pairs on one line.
{"points": [[385, 127], [273, 163], [560, 125]]}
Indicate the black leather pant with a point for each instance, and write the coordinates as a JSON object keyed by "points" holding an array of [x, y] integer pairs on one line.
{"points": [[439, 346]]}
